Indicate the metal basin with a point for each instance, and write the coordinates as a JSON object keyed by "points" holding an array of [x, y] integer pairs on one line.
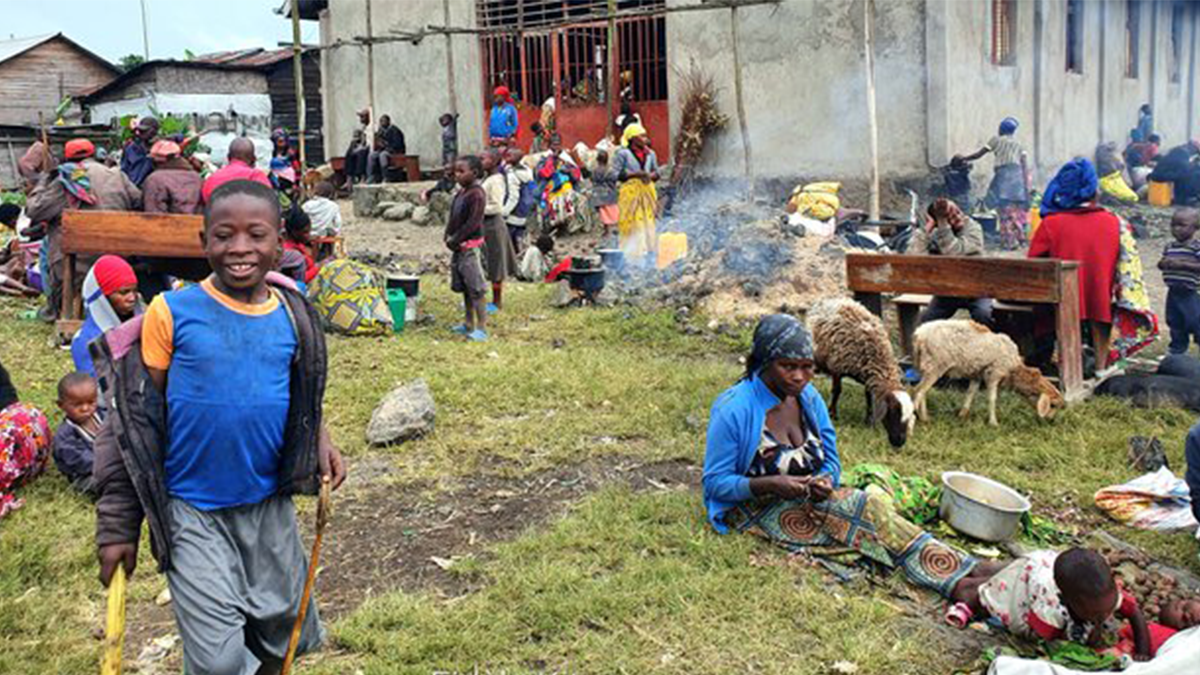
{"points": [[980, 507]]}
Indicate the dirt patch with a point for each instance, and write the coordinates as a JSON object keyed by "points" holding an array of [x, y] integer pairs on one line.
{"points": [[383, 537]]}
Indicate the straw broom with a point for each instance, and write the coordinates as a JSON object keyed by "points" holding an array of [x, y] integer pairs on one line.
{"points": [[699, 119]]}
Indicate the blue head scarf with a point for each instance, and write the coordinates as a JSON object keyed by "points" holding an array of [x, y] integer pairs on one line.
{"points": [[1009, 126], [1075, 184], [778, 336]]}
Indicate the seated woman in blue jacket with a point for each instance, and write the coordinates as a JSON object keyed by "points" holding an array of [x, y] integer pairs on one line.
{"points": [[110, 298], [771, 468]]}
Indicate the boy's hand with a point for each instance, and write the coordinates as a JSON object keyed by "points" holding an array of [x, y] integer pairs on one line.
{"points": [[329, 458], [116, 554]]}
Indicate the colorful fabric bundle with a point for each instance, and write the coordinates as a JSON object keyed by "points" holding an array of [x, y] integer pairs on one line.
{"points": [[1135, 325], [1155, 501], [816, 200], [1114, 185], [349, 296], [24, 451]]}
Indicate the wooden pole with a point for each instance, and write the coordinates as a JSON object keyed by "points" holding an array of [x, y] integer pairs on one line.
{"points": [[741, 103], [872, 122], [614, 78], [450, 80], [370, 71], [145, 34], [298, 75]]}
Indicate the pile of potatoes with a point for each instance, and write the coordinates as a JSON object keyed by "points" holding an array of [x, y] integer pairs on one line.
{"points": [[1151, 590]]}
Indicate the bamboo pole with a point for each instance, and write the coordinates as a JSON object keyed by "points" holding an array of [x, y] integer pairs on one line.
{"points": [[370, 42], [450, 80], [872, 122], [298, 75], [741, 103]]}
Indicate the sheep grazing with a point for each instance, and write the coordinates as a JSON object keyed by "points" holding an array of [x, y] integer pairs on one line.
{"points": [[968, 350], [852, 342]]}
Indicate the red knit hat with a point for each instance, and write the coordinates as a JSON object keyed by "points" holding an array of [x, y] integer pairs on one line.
{"points": [[79, 148], [113, 273]]}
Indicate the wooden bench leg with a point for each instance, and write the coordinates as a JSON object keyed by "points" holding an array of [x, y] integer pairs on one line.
{"points": [[1070, 343], [909, 314], [68, 286], [872, 301]]}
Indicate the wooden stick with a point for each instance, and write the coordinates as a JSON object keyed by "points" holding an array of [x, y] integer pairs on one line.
{"points": [[872, 122], [323, 507], [741, 103], [114, 629], [298, 75]]}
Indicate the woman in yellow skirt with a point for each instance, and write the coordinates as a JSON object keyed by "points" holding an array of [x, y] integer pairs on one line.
{"points": [[636, 167]]}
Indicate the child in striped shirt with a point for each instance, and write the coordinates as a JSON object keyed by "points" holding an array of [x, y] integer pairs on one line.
{"points": [[1180, 266]]}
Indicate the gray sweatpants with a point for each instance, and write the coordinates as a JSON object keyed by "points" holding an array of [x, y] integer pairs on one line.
{"points": [[237, 579]]}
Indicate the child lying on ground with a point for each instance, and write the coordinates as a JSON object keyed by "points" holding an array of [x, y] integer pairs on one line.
{"points": [[75, 438], [1177, 615], [1052, 596]]}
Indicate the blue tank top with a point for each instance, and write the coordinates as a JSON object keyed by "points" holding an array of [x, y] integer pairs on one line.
{"points": [[228, 390]]}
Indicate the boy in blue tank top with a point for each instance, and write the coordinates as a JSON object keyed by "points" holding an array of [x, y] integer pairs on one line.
{"points": [[224, 353]]}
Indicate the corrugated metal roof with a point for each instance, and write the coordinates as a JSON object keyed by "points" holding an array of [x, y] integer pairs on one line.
{"points": [[11, 48], [251, 58]]}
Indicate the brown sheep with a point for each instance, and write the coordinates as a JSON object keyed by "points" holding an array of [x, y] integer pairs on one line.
{"points": [[852, 342], [968, 350]]}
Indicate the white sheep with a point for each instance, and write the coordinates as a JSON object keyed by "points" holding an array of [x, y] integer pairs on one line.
{"points": [[852, 342], [968, 350]]}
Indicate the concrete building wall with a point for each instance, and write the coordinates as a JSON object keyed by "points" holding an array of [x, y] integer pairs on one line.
{"points": [[805, 87], [938, 92], [411, 82]]}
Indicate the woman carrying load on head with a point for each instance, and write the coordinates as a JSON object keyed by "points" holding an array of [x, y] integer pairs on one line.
{"points": [[1008, 192], [771, 468], [636, 167]]}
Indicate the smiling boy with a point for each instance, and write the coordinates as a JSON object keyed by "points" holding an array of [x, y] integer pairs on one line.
{"points": [[242, 367]]}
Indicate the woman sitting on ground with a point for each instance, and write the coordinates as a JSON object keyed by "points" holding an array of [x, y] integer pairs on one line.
{"points": [[771, 468], [110, 296], [298, 261], [24, 444]]}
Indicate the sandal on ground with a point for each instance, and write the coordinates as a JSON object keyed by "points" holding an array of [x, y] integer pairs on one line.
{"points": [[959, 615]]}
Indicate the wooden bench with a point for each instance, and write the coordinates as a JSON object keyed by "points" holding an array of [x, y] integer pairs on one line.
{"points": [[407, 165], [1018, 285], [123, 233]]}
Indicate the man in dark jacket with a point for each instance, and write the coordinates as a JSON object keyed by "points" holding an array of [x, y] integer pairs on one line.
{"points": [[389, 141], [135, 158]]}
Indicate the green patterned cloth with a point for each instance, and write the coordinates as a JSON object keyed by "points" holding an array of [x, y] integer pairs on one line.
{"points": [[915, 497]]}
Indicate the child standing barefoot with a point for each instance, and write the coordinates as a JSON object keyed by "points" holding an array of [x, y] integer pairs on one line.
{"points": [[464, 238], [216, 424]]}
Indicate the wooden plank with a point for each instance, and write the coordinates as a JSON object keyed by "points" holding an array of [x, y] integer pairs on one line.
{"points": [[1069, 340], [131, 233], [961, 277]]}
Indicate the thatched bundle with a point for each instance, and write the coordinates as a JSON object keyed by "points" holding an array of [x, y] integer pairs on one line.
{"points": [[700, 119]]}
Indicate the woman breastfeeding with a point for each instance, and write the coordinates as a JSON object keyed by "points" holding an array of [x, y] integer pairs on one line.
{"points": [[771, 468]]}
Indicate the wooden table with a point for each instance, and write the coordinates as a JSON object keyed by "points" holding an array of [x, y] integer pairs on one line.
{"points": [[123, 233], [1018, 281]]}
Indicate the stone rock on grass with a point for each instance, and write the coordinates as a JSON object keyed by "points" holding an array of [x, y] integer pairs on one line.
{"points": [[407, 412], [562, 295], [439, 206], [383, 206], [398, 212], [421, 215]]}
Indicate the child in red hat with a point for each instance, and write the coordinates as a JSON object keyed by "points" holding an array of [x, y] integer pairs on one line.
{"points": [[111, 298]]}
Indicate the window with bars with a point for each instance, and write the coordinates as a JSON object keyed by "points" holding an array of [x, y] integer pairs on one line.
{"points": [[1074, 36], [1004, 31], [1175, 68], [566, 42], [1133, 33]]}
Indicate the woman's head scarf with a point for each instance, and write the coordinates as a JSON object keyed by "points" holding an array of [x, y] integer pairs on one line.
{"points": [[503, 93], [1075, 184], [631, 132], [1009, 126], [778, 336]]}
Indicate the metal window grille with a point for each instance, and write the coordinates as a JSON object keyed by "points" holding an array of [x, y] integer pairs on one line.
{"points": [[1074, 36], [1133, 33], [1004, 27], [564, 43]]}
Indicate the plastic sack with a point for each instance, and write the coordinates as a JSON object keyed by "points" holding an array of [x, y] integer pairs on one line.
{"points": [[1156, 501], [818, 201], [1114, 186], [350, 299]]}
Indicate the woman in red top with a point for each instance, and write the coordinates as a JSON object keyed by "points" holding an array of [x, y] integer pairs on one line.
{"points": [[297, 229], [1075, 228]]}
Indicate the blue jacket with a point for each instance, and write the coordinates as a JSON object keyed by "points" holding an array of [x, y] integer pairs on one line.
{"points": [[89, 331], [734, 430], [136, 162], [503, 121]]}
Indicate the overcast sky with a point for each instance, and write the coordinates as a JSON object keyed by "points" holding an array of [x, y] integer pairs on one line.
{"points": [[113, 28]]}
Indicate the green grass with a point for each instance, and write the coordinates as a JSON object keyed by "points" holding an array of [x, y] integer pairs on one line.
{"points": [[624, 582]]}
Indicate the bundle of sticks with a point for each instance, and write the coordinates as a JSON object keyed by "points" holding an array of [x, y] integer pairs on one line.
{"points": [[699, 120]]}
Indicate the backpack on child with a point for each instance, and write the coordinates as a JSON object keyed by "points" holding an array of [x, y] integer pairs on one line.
{"points": [[531, 194]]}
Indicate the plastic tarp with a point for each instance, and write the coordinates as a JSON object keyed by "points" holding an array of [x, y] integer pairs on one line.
{"points": [[1180, 655], [1155, 501]]}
